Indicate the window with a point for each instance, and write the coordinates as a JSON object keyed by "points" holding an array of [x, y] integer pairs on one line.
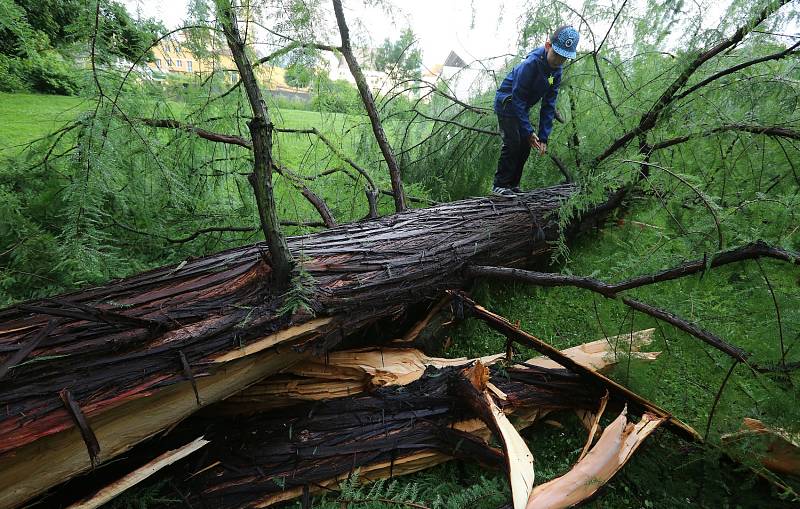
{"points": [[189, 65], [178, 63], [169, 62], [158, 63]]}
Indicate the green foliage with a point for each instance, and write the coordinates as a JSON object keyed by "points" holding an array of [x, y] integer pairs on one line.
{"points": [[335, 96], [300, 68], [121, 36], [400, 59], [50, 73], [442, 487], [40, 41], [300, 296], [12, 78]]}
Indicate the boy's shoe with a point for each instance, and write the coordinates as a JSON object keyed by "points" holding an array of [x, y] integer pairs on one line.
{"points": [[503, 191], [516, 190]]}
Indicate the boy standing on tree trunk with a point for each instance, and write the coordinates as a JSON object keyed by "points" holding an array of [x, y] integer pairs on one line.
{"points": [[535, 79]]}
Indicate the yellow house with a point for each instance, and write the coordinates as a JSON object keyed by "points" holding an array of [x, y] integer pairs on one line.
{"points": [[171, 56]]}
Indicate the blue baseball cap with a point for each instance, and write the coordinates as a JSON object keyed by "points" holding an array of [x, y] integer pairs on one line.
{"points": [[565, 41]]}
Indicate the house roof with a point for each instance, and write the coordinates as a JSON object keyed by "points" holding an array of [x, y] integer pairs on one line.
{"points": [[453, 60]]}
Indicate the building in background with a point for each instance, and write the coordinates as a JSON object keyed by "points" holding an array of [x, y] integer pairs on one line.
{"points": [[463, 81], [172, 57]]}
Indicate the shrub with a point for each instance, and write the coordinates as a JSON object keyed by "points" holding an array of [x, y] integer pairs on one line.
{"points": [[12, 78], [50, 73], [335, 96]]}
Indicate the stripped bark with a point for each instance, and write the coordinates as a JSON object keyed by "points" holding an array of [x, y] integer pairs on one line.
{"points": [[353, 372], [219, 311]]}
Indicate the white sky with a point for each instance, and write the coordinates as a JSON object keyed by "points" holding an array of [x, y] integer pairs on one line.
{"points": [[440, 25], [475, 29]]}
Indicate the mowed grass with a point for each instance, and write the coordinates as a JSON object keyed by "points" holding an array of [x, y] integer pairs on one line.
{"points": [[26, 117]]}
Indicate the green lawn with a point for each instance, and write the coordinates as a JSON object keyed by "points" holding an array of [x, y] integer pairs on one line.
{"points": [[25, 117]]}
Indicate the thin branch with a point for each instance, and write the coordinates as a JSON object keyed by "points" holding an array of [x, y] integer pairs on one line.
{"points": [[333, 148], [700, 195], [717, 398], [774, 56], [649, 119], [453, 122], [188, 238], [777, 312], [773, 131], [692, 329], [562, 168], [199, 131], [315, 200], [751, 251]]}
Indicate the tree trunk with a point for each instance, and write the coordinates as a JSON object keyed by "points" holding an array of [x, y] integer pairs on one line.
{"points": [[261, 132], [128, 351], [372, 111]]}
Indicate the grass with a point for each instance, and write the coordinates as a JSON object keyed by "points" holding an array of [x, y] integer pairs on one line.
{"points": [[731, 301], [25, 117]]}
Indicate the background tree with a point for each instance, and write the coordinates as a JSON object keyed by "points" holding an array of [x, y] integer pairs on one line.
{"points": [[400, 59], [40, 41]]}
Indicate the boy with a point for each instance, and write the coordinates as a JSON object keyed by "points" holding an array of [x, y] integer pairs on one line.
{"points": [[535, 79]]}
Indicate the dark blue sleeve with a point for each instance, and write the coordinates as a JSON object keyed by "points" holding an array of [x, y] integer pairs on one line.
{"points": [[520, 94], [548, 111]]}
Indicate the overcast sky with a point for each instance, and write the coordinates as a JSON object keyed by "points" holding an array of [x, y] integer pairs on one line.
{"points": [[475, 29], [440, 25]]}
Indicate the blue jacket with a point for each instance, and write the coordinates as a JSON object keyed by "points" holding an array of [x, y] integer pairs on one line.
{"points": [[526, 85]]}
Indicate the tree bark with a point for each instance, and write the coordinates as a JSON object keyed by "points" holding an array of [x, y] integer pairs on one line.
{"points": [[372, 111], [117, 348], [261, 132]]}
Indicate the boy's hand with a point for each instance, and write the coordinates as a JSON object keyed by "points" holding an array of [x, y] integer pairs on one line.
{"points": [[542, 148], [537, 144]]}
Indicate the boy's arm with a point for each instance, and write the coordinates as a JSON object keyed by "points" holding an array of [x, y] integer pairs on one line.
{"points": [[548, 111], [520, 93]]}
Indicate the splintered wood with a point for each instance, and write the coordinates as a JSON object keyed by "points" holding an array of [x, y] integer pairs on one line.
{"points": [[352, 372], [131, 353], [417, 416]]}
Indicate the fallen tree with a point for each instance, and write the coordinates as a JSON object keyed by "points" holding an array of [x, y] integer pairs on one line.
{"points": [[262, 459], [135, 356]]}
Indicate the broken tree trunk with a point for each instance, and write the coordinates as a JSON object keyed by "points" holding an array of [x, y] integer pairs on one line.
{"points": [[376, 367], [138, 355], [257, 461], [352, 372], [260, 460]]}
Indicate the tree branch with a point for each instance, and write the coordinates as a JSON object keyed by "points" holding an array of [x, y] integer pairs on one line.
{"points": [[774, 131], [199, 131], [316, 201], [739, 67], [188, 238], [751, 251], [261, 133], [369, 105], [649, 119]]}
